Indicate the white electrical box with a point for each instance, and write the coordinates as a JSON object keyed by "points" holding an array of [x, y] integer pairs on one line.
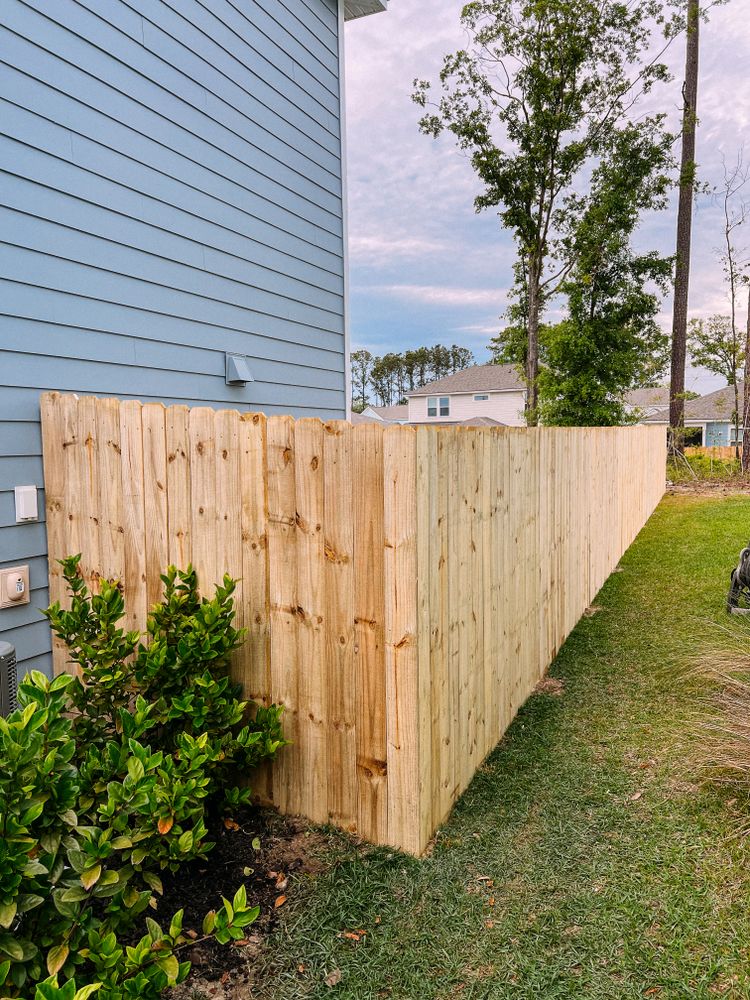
{"points": [[14, 586], [27, 506]]}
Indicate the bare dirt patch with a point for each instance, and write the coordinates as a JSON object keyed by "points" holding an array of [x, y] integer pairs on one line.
{"points": [[550, 685], [260, 850]]}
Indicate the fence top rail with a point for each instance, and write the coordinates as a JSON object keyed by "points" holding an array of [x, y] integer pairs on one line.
{"points": [[256, 417]]}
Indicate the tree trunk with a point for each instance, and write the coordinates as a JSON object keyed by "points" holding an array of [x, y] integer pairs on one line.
{"points": [[684, 227], [746, 397], [736, 418], [532, 352]]}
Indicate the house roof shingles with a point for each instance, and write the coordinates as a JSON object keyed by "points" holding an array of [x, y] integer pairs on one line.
{"points": [[646, 398], [398, 412], [716, 407], [478, 378]]}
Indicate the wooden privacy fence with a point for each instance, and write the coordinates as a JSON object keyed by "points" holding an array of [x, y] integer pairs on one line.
{"points": [[720, 452], [403, 589]]}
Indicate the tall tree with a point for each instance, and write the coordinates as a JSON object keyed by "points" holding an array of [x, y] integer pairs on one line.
{"points": [[684, 225], [610, 341], [391, 376], [361, 362], [746, 394], [536, 99]]}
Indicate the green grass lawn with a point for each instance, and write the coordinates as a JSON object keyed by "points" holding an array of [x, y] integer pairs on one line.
{"points": [[586, 860]]}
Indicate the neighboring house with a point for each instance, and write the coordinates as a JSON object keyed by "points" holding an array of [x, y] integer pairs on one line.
{"points": [[710, 418], [173, 221], [388, 414], [496, 392], [647, 401], [400, 415]]}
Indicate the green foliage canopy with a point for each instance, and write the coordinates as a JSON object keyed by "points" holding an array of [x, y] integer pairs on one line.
{"points": [[541, 97]]}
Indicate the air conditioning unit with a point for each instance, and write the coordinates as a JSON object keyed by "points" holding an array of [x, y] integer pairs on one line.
{"points": [[8, 679]]}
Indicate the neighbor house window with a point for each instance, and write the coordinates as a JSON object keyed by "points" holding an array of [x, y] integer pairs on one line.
{"points": [[481, 397], [438, 405]]}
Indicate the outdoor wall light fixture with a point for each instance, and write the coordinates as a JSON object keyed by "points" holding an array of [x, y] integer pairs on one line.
{"points": [[238, 370]]}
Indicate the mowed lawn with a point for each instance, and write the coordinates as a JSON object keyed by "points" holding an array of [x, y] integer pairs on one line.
{"points": [[587, 859]]}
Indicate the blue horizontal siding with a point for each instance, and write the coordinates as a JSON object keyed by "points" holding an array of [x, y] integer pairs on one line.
{"points": [[110, 57], [30, 640], [27, 337], [262, 336], [20, 542], [19, 438], [27, 614], [86, 203], [157, 200], [24, 400], [187, 159], [40, 663], [162, 179], [80, 278], [174, 265], [94, 378], [170, 190]]}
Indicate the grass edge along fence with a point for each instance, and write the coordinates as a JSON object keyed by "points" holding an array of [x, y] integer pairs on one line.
{"points": [[404, 589]]}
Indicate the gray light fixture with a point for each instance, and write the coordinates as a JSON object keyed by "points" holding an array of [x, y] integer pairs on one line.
{"points": [[238, 370]]}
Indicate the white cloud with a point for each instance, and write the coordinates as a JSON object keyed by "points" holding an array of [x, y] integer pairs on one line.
{"points": [[442, 295]]}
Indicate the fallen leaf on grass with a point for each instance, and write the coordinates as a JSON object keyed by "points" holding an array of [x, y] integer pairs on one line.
{"points": [[225, 978], [301, 969], [333, 978], [591, 611], [489, 924], [636, 796], [354, 935], [280, 900]]}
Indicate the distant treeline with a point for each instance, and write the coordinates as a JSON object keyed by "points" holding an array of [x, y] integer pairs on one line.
{"points": [[384, 381]]}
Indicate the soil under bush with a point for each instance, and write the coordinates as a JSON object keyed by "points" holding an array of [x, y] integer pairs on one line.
{"points": [[287, 847]]}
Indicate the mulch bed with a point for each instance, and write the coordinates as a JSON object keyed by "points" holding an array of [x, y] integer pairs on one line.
{"points": [[288, 847]]}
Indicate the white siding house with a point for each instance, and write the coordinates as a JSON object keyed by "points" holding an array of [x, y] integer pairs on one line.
{"points": [[492, 392]]}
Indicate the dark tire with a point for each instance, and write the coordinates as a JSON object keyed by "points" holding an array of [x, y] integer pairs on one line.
{"points": [[735, 589]]}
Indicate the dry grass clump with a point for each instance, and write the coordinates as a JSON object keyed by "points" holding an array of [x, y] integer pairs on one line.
{"points": [[725, 733]]}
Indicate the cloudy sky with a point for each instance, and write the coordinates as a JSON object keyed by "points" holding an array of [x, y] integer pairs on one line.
{"points": [[424, 268]]}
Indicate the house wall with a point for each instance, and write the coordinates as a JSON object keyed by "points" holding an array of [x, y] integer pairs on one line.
{"points": [[717, 435], [171, 190], [505, 407]]}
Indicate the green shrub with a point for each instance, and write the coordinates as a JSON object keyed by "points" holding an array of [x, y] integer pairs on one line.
{"points": [[106, 779], [178, 670]]}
